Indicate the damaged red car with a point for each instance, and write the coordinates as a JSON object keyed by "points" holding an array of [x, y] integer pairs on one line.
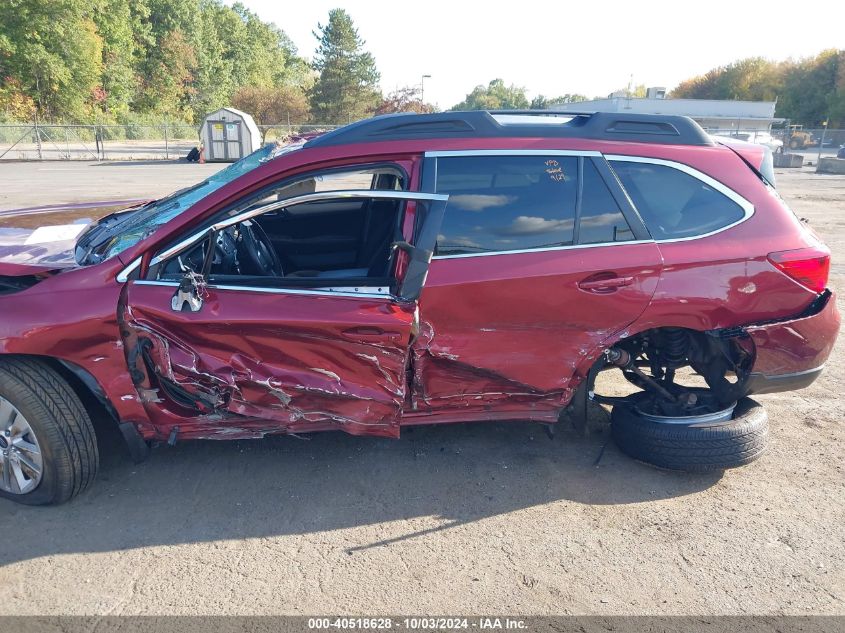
{"points": [[418, 269]]}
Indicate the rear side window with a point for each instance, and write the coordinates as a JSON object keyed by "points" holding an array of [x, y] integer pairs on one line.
{"points": [[504, 203], [508, 203], [674, 204]]}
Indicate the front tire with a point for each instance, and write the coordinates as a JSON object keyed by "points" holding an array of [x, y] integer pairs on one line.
{"points": [[48, 449], [695, 448]]}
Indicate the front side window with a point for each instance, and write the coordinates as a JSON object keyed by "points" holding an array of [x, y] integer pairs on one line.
{"points": [[382, 177], [505, 203], [343, 241], [673, 203]]}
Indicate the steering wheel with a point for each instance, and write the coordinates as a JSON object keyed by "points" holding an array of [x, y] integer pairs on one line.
{"points": [[259, 256]]}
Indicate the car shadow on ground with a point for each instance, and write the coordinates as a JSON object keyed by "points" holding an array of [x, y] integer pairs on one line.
{"points": [[207, 491]]}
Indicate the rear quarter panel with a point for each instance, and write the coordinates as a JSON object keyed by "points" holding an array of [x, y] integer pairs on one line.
{"points": [[796, 345], [726, 280]]}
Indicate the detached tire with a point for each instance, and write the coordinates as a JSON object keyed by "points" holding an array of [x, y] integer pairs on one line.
{"points": [[678, 446], [48, 449]]}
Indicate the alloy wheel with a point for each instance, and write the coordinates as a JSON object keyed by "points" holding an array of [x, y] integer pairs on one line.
{"points": [[21, 464]]}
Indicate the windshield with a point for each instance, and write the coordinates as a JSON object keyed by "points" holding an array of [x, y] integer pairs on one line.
{"points": [[141, 223]]}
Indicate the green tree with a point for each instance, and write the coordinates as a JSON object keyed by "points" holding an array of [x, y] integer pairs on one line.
{"points": [[752, 79], [115, 22], [52, 51], [541, 102], [495, 96], [405, 99], [807, 91], [14, 104], [272, 106], [167, 88], [140, 60], [347, 88], [214, 80], [169, 60], [814, 90], [234, 50]]}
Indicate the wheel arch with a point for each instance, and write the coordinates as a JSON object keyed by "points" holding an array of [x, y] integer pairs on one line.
{"points": [[592, 361], [95, 400]]}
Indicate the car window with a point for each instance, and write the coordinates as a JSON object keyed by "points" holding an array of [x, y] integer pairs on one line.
{"points": [[674, 204], [601, 218], [505, 203], [375, 177], [345, 240]]}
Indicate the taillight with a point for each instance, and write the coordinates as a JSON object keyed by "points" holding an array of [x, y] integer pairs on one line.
{"points": [[808, 266]]}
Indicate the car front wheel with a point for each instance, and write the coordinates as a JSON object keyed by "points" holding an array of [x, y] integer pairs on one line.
{"points": [[711, 441], [48, 450]]}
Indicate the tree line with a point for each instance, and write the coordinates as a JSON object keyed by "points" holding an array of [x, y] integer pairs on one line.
{"points": [[809, 91], [135, 61], [125, 61]]}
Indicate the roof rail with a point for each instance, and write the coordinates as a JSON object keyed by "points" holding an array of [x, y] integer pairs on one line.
{"points": [[544, 113], [604, 126]]}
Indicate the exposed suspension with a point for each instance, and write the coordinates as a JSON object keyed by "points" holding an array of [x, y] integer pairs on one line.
{"points": [[676, 341]]}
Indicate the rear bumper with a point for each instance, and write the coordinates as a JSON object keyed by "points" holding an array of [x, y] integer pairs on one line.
{"points": [[791, 354], [762, 383]]}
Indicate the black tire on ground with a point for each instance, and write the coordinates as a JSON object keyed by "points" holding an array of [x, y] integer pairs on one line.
{"points": [[61, 425], [701, 448]]}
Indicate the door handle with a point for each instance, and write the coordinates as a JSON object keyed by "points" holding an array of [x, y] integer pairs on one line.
{"points": [[187, 297], [604, 283]]}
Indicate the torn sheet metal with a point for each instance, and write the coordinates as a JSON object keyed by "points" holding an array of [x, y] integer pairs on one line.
{"points": [[796, 345], [516, 333], [273, 363]]}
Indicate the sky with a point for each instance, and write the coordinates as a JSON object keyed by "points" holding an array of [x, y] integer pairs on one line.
{"points": [[556, 47]]}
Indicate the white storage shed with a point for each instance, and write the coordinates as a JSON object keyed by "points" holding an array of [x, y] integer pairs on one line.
{"points": [[228, 135]]}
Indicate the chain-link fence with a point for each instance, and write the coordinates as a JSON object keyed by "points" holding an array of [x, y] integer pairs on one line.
{"points": [[165, 141], [174, 140], [810, 142]]}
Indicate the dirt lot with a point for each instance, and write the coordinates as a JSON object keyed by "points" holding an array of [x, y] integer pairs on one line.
{"points": [[463, 519]]}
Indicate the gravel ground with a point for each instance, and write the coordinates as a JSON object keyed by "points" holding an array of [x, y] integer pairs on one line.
{"points": [[462, 519]]}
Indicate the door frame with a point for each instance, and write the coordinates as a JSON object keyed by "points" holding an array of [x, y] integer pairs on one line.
{"points": [[545, 404], [420, 252], [202, 424]]}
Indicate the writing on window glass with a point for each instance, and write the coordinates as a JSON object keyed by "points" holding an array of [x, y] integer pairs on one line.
{"points": [[555, 171]]}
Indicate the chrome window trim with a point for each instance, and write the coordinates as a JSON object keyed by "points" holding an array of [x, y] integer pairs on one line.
{"points": [[123, 275], [289, 202], [511, 152], [745, 205], [362, 292], [543, 250]]}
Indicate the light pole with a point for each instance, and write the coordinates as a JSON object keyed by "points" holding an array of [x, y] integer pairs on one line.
{"points": [[821, 142], [422, 88]]}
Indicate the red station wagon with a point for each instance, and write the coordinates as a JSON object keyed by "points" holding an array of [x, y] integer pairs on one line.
{"points": [[419, 269]]}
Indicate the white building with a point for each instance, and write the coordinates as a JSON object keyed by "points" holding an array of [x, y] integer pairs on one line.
{"points": [[715, 116]]}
